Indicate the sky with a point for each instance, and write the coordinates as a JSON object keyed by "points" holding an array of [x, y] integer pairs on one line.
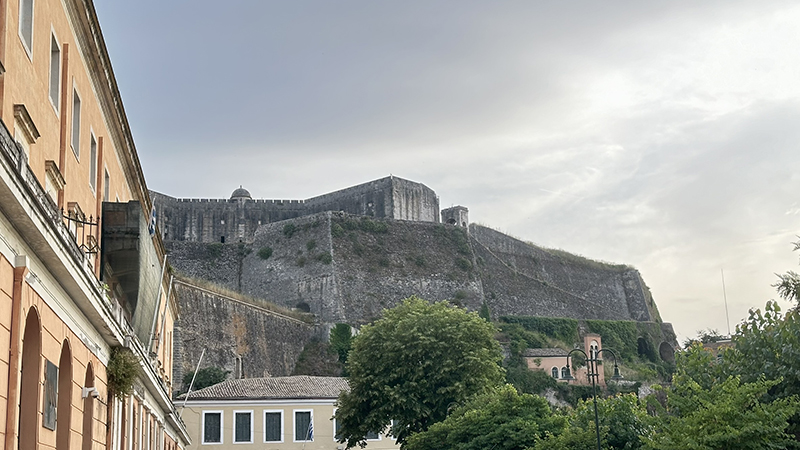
{"points": [[663, 135]]}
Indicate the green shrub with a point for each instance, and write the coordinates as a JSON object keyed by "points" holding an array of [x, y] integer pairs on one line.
{"points": [[460, 295], [289, 230], [265, 252], [300, 261], [325, 258], [419, 260], [565, 330], [463, 264], [384, 262], [123, 368], [618, 335], [311, 245], [215, 249], [530, 381], [337, 230]]}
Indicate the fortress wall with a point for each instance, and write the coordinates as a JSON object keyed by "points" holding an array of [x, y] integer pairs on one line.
{"points": [[414, 201], [215, 262], [209, 220], [266, 342], [296, 274], [603, 291], [368, 199], [375, 271]]}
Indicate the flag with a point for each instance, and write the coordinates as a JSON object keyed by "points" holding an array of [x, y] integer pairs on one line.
{"points": [[310, 433], [152, 227]]}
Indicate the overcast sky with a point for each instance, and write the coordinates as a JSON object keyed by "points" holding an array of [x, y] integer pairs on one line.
{"points": [[663, 135]]}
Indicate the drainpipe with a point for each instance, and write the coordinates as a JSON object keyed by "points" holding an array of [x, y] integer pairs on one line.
{"points": [[20, 270]]}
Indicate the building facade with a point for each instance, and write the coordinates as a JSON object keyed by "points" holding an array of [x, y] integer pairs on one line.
{"points": [[81, 279], [554, 361], [280, 413]]}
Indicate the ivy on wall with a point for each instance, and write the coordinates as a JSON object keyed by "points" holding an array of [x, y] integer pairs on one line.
{"points": [[565, 330]]}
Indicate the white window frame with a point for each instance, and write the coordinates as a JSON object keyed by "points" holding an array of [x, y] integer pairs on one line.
{"points": [[334, 421], [242, 411], [374, 440], [294, 425], [75, 137], [57, 101], [283, 431], [221, 427], [106, 185], [25, 45], [93, 166]]}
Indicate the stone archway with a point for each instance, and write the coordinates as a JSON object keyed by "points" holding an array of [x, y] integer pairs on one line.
{"points": [[64, 405], [30, 376], [88, 410]]}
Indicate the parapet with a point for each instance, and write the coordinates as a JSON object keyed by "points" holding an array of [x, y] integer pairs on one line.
{"points": [[456, 215]]}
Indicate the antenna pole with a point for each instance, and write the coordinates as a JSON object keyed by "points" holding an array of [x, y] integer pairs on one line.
{"points": [[725, 298]]}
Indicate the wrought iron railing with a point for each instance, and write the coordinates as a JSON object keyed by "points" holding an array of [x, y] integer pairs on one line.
{"points": [[85, 232]]}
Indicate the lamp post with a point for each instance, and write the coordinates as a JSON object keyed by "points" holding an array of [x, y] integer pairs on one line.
{"points": [[594, 376]]}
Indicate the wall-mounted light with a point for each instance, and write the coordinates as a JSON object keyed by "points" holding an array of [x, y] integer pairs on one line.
{"points": [[87, 391]]}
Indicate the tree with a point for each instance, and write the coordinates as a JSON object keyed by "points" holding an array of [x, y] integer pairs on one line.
{"points": [[728, 416], [341, 341], [623, 424], [501, 420], [412, 366], [206, 377], [788, 284]]}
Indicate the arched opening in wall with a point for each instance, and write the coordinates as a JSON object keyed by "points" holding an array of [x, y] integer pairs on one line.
{"points": [[222, 239], [564, 372], [88, 408], [64, 405], [666, 352], [451, 221], [303, 306], [645, 349], [594, 349], [464, 224], [554, 372], [29, 387]]}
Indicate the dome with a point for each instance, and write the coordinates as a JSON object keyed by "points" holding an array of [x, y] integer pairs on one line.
{"points": [[240, 194]]}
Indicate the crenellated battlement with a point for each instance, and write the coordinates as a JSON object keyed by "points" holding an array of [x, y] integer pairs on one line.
{"points": [[237, 218]]}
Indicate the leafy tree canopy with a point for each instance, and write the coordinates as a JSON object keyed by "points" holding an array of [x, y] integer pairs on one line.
{"points": [[500, 420], [412, 366], [206, 377]]}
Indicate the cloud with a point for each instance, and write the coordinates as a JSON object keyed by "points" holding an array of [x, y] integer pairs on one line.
{"points": [[658, 134]]}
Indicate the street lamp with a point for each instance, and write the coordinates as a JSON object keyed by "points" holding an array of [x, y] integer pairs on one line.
{"points": [[594, 376]]}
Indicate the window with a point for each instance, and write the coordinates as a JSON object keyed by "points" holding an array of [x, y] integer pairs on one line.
{"points": [[76, 124], [395, 428], [212, 427], [92, 162], [303, 426], [273, 426], [106, 187], [22, 140], [55, 71], [373, 436], [243, 426], [26, 24], [563, 372], [337, 427], [554, 372]]}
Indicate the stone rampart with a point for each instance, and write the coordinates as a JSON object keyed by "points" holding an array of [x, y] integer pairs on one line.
{"points": [[518, 276], [239, 336]]}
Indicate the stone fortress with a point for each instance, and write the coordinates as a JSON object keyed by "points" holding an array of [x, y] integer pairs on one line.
{"points": [[347, 255]]}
